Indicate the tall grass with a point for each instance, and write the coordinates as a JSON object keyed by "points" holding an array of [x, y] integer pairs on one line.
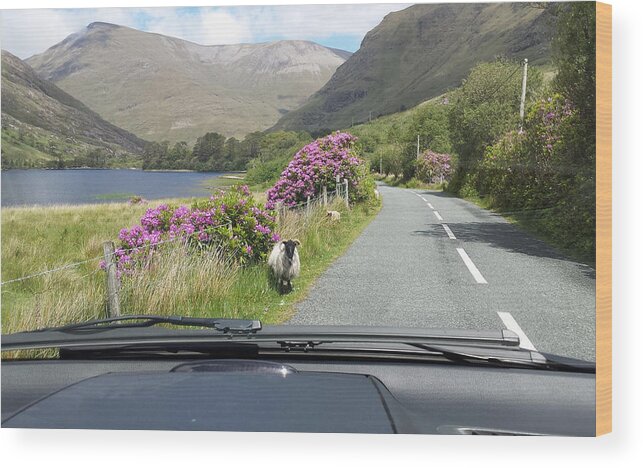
{"points": [[179, 282]]}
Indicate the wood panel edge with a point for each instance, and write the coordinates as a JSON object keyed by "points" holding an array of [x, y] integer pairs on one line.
{"points": [[603, 218]]}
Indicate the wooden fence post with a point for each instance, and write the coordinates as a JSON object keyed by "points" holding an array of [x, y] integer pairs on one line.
{"points": [[113, 303], [346, 192], [279, 209], [325, 195], [308, 206]]}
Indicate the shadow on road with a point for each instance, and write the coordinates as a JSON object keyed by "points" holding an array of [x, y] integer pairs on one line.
{"points": [[438, 193], [503, 236]]}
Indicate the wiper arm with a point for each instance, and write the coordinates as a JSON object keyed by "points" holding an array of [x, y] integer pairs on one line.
{"points": [[231, 326], [534, 360]]}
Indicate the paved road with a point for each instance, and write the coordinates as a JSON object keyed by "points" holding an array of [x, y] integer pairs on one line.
{"points": [[481, 272]]}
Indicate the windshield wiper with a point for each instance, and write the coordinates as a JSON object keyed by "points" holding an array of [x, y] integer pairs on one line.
{"points": [[534, 359], [231, 326]]}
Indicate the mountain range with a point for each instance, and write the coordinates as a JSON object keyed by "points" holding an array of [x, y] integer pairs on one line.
{"points": [[115, 87], [37, 117], [163, 88], [420, 52]]}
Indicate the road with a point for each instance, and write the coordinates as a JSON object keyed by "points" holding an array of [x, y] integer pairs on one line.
{"points": [[432, 260]]}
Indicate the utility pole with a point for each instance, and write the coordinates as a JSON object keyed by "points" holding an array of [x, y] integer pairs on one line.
{"points": [[417, 153], [524, 93]]}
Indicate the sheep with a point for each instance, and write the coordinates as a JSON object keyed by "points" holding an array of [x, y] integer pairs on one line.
{"points": [[334, 215], [284, 263]]}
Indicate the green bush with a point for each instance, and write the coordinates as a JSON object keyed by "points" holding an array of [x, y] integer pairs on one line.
{"points": [[534, 174]]}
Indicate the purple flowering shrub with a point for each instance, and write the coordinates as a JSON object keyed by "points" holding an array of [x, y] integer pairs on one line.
{"points": [[542, 172], [433, 167], [317, 165], [229, 222]]}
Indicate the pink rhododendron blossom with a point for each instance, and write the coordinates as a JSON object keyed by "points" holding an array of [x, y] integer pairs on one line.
{"points": [[229, 221], [316, 165]]}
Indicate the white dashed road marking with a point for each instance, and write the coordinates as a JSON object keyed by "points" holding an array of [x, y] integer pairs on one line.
{"points": [[437, 215], [448, 231], [512, 325], [430, 206], [471, 266]]}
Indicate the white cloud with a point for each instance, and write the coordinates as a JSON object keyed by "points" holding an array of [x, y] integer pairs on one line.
{"points": [[27, 32], [209, 26]]}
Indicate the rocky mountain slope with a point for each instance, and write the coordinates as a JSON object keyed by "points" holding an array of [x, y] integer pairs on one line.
{"points": [[419, 53], [161, 87], [39, 119]]}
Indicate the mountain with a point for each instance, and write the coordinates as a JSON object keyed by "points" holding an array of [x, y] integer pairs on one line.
{"points": [[39, 119], [419, 53], [161, 87]]}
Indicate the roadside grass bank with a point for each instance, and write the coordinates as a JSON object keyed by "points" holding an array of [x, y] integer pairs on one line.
{"points": [[179, 283], [540, 224]]}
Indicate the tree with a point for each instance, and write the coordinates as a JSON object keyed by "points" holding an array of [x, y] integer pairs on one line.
{"points": [[232, 151], [485, 107], [179, 156], [251, 147], [431, 123], [575, 57], [208, 152], [155, 155], [54, 150]]}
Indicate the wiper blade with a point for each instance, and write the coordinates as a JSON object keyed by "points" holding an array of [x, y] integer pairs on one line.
{"points": [[533, 359], [231, 326]]}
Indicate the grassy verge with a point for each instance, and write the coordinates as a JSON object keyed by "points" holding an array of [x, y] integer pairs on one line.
{"points": [[37, 239], [532, 222], [226, 180]]}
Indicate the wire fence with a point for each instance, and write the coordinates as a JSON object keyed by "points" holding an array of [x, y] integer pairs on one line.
{"points": [[114, 286], [53, 270], [100, 257]]}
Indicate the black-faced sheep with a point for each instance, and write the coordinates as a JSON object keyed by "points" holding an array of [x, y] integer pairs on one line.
{"points": [[284, 263]]}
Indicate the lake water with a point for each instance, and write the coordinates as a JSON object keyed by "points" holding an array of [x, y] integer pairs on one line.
{"points": [[82, 186]]}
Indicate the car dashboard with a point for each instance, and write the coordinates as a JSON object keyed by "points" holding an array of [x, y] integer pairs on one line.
{"points": [[296, 394]]}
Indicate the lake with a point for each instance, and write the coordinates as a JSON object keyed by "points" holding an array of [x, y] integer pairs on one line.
{"points": [[82, 186]]}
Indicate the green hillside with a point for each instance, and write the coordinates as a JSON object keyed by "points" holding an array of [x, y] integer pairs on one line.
{"points": [[42, 124], [419, 53]]}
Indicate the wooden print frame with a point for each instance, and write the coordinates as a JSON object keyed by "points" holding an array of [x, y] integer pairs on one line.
{"points": [[603, 218]]}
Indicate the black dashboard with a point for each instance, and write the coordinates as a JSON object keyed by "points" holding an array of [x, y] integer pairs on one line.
{"points": [[298, 395]]}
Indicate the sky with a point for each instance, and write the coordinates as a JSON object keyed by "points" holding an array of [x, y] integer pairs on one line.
{"points": [[28, 32]]}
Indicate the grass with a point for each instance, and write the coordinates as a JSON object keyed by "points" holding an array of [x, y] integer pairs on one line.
{"points": [[226, 180], [37, 239], [115, 196]]}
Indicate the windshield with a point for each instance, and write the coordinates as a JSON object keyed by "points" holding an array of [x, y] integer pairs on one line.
{"points": [[427, 167]]}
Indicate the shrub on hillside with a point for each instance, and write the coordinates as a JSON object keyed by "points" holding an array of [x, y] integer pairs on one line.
{"points": [[318, 164], [230, 223]]}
